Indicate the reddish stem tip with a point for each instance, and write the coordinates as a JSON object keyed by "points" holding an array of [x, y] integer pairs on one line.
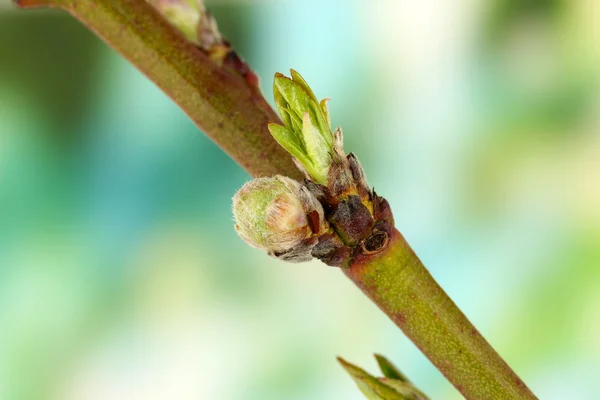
{"points": [[31, 3]]}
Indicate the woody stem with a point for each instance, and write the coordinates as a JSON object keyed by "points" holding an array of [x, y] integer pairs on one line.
{"points": [[401, 286], [222, 104]]}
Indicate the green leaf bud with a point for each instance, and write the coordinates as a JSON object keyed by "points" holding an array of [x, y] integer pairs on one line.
{"points": [[306, 133]]}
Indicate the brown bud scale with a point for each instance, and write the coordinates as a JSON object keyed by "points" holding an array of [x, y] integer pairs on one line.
{"points": [[361, 221]]}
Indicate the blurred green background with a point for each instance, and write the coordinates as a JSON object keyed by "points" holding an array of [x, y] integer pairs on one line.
{"points": [[121, 276]]}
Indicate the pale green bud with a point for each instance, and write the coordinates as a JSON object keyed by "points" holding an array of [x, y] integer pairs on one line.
{"points": [[279, 215], [183, 14], [192, 19], [306, 133]]}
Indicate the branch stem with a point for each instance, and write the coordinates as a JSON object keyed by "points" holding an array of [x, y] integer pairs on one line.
{"points": [[231, 112], [401, 286]]}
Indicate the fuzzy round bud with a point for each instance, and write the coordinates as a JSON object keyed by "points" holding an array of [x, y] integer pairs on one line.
{"points": [[278, 215]]}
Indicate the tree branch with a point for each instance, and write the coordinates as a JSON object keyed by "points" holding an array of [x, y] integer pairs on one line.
{"points": [[220, 101], [401, 286], [234, 114]]}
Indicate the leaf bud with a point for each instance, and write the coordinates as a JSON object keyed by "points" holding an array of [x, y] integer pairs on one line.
{"points": [[306, 133]]}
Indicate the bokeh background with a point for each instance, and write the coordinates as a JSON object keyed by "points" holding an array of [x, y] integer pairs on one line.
{"points": [[121, 276]]}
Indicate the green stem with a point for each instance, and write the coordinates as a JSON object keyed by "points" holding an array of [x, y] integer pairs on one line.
{"points": [[235, 115], [230, 111], [401, 286]]}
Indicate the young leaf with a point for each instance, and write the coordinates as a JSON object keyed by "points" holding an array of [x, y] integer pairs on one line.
{"points": [[383, 388], [389, 370], [370, 386]]}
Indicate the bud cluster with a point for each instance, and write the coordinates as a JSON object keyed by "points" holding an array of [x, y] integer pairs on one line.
{"points": [[333, 215]]}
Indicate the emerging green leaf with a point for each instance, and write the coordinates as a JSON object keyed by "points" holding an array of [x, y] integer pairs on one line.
{"points": [[307, 125], [389, 370], [382, 388]]}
